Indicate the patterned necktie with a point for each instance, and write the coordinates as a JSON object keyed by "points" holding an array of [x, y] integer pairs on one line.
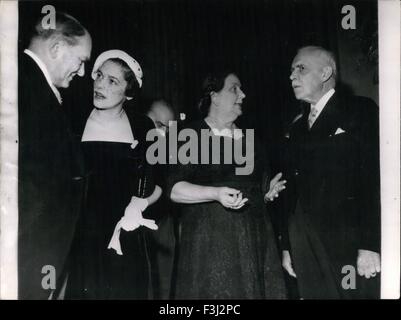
{"points": [[312, 116]]}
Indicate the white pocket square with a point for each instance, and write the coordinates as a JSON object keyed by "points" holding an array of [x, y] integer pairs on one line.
{"points": [[339, 130]]}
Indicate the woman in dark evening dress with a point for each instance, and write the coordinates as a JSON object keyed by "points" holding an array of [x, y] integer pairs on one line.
{"points": [[110, 259], [227, 248]]}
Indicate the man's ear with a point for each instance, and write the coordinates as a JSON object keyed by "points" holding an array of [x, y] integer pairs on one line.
{"points": [[55, 47], [327, 73]]}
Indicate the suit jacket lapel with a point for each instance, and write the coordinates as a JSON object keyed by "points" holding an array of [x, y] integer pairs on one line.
{"points": [[301, 122], [329, 119]]}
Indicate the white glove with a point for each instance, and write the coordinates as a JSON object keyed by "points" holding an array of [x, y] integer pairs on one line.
{"points": [[131, 220]]}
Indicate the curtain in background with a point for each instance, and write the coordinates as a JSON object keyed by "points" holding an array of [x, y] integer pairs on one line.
{"points": [[177, 42]]}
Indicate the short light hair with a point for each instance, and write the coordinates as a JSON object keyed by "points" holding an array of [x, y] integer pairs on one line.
{"points": [[328, 57], [67, 28]]}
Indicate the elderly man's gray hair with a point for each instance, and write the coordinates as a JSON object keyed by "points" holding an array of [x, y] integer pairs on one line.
{"points": [[325, 54], [67, 28]]}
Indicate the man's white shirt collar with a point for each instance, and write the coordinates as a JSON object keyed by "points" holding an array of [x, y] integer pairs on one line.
{"points": [[319, 106], [42, 67]]}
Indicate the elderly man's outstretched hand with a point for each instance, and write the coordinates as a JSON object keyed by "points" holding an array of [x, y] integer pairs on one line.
{"points": [[276, 186], [368, 263]]}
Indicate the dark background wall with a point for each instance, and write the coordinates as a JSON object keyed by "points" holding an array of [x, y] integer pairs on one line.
{"points": [[178, 41]]}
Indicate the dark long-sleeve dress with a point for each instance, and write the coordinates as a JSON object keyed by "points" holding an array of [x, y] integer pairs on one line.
{"points": [[224, 253]]}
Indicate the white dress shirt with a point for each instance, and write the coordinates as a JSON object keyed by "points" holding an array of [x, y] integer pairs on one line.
{"points": [[319, 106]]}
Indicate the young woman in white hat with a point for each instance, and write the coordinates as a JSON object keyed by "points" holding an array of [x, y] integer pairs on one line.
{"points": [[110, 259]]}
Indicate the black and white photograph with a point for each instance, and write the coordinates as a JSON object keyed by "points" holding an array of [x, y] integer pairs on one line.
{"points": [[200, 150]]}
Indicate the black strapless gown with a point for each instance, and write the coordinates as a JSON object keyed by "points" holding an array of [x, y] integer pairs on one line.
{"points": [[97, 272]]}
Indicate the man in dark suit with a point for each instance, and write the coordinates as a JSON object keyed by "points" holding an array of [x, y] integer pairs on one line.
{"points": [[162, 242], [331, 240], [50, 180]]}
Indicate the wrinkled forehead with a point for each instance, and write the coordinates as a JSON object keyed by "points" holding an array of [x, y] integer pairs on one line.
{"points": [[309, 57], [84, 46]]}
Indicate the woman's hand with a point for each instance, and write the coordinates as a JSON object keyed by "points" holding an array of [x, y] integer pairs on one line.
{"points": [[133, 218], [230, 198], [189, 193], [276, 186]]}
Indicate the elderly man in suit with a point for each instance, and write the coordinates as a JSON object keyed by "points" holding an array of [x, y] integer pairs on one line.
{"points": [[50, 180], [331, 240]]}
